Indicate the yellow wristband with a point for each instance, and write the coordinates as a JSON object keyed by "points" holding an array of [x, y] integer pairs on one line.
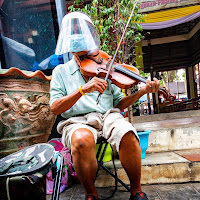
{"points": [[81, 91]]}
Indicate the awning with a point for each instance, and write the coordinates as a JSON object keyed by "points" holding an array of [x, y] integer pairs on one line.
{"points": [[168, 18]]}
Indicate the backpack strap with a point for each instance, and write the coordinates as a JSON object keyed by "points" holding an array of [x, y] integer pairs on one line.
{"points": [[7, 188]]}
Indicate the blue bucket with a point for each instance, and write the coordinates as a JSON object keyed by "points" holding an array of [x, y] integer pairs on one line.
{"points": [[144, 139]]}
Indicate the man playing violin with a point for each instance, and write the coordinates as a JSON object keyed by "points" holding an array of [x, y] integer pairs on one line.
{"points": [[74, 97]]}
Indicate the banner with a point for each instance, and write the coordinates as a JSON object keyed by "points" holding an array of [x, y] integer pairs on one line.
{"points": [[155, 5], [170, 23]]}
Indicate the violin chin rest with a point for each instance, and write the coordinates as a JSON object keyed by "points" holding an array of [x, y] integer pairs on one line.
{"points": [[94, 52]]}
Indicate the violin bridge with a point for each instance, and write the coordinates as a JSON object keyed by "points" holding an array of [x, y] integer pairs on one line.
{"points": [[99, 60], [108, 63]]}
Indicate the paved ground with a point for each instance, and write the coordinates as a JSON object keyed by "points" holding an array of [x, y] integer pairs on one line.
{"points": [[185, 191]]}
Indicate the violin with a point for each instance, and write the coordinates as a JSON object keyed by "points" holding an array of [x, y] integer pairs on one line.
{"points": [[123, 75], [98, 66]]}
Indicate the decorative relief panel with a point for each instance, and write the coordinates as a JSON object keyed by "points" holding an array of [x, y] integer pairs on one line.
{"points": [[25, 115]]}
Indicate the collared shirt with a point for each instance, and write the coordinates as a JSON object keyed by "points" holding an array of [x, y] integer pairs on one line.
{"points": [[67, 78]]}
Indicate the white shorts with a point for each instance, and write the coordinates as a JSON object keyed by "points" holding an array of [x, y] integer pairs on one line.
{"points": [[111, 125]]}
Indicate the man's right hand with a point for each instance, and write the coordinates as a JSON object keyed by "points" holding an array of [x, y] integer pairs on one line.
{"points": [[64, 103], [95, 84]]}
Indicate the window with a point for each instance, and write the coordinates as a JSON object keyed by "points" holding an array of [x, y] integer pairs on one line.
{"points": [[27, 31]]}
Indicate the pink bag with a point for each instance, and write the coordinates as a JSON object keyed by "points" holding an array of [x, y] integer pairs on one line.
{"points": [[69, 176]]}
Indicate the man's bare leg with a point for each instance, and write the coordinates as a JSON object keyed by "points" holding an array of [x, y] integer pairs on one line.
{"points": [[84, 159], [130, 157]]}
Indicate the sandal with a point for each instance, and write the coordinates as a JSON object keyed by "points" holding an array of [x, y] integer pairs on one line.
{"points": [[139, 196], [90, 197]]}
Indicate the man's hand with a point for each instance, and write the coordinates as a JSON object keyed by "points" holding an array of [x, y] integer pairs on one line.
{"points": [[95, 84], [151, 86]]}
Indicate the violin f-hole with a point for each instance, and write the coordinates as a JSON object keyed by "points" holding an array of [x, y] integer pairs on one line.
{"points": [[101, 68]]}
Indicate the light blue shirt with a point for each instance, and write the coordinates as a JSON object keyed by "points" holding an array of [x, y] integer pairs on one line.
{"points": [[67, 78]]}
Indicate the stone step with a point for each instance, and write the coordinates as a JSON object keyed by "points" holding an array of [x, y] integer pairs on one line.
{"points": [[162, 167], [166, 116], [172, 134], [174, 139]]}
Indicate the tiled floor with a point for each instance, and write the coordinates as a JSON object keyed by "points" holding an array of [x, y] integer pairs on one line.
{"points": [[191, 155], [184, 191]]}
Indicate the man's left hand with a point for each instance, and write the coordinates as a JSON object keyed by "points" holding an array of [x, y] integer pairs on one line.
{"points": [[151, 86]]}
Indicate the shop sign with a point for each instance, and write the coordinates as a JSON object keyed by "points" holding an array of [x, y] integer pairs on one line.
{"points": [[149, 5]]}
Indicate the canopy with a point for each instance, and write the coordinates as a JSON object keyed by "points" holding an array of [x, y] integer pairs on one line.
{"points": [[168, 18]]}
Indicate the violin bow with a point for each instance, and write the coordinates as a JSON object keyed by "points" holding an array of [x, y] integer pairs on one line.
{"points": [[110, 67]]}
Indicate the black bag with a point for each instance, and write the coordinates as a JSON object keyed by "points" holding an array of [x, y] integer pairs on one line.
{"points": [[23, 173]]}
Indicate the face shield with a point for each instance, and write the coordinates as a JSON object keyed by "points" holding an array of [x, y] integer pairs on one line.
{"points": [[77, 34]]}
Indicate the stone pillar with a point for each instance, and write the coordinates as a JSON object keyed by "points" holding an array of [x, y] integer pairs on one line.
{"points": [[191, 82]]}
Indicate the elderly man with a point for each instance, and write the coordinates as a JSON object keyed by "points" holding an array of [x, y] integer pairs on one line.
{"points": [[74, 95]]}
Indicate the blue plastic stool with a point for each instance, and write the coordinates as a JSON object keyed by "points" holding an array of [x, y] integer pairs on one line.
{"points": [[144, 139]]}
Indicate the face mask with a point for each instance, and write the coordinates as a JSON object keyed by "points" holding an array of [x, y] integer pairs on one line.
{"points": [[77, 43]]}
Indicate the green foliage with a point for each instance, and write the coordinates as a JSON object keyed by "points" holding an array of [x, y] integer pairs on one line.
{"points": [[110, 18], [162, 82], [147, 75]]}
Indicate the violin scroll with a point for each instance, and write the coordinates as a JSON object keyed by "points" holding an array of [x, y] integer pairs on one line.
{"points": [[164, 91]]}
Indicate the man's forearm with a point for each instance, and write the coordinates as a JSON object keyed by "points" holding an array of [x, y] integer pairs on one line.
{"points": [[129, 100], [63, 104]]}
